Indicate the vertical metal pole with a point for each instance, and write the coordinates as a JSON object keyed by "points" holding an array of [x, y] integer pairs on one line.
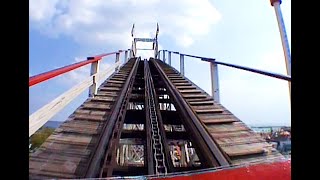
{"points": [[131, 51], [125, 56], [135, 48], [284, 39], [182, 64], [164, 56], [214, 81], [94, 70], [156, 50], [169, 57], [117, 60]]}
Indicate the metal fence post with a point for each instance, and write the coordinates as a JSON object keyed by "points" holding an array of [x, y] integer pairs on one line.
{"points": [[94, 71], [214, 81], [117, 60], [284, 39], [182, 64], [169, 57], [164, 56], [156, 49], [131, 51], [134, 47], [125, 56]]}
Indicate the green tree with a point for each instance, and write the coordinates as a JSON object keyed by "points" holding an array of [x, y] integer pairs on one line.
{"points": [[39, 137]]}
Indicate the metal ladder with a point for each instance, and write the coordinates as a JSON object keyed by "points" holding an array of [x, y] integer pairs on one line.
{"points": [[158, 151]]}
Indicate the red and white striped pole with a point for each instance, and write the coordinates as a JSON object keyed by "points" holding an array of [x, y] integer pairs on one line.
{"points": [[284, 39]]}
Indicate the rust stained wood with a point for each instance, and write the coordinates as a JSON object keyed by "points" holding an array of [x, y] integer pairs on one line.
{"points": [[75, 145], [216, 121], [109, 89], [49, 174], [106, 93], [122, 73], [61, 150], [96, 106], [169, 71], [52, 166], [204, 106], [176, 78], [209, 111], [229, 141], [113, 85], [197, 99], [120, 76], [230, 127], [65, 152], [100, 113], [103, 99], [273, 155], [185, 87], [194, 96], [56, 159], [224, 115], [179, 81], [246, 149], [116, 81], [81, 124], [194, 90], [182, 84], [194, 104], [89, 117], [77, 128], [74, 138], [231, 134], [56, 156], [208, 108]]}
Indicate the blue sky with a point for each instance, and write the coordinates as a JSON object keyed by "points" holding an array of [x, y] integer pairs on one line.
{"points": [[240, 32]]}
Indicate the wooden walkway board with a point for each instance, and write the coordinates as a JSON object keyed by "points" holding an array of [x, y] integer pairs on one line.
{"points": [[186, 87], [190, 91]]}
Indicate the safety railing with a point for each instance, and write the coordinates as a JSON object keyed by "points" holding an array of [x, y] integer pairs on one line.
{"points": [[214, 69], [42, 115]]}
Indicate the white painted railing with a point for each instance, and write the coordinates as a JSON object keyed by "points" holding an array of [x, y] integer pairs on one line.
{"points": [[44, 114]]}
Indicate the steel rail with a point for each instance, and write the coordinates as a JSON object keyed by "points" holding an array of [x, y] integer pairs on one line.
{"points": [[116, 132], [149, 153], [150, 86], [94, 164], [212, 152]]}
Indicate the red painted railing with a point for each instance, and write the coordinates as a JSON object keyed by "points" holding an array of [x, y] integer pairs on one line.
{"points": [[50, 74], [265, 171]]}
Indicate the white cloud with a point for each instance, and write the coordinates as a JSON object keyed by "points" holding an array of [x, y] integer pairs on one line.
{"points": [[185, 40], [274, 62], [42, 11], [101, 22]]}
